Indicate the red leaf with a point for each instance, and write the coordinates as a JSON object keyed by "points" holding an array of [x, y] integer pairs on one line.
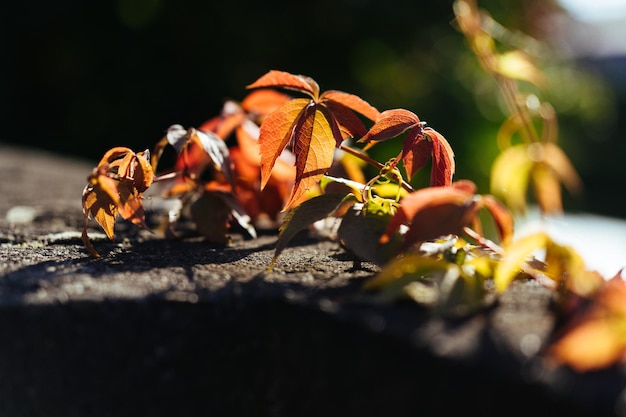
{"points": [[281, 79], [390, 124], [434, 212], [416, 151], [443, 159]]}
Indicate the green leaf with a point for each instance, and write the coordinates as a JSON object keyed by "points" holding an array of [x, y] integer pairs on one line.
{"points": [[304, 215], [391, 281], [360, 231]]}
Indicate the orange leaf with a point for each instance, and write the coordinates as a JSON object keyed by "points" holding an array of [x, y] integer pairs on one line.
{"points": [[313, 128], [592, 345], [314, 148], [247, 140], [276, 132], [115, 187], [390, 124], [143, 175], [101, 207], [130, 207], [113, 154], [230, 118], [258, 104], [352, 102], [282, 79], [596, 336], [350, 126]]}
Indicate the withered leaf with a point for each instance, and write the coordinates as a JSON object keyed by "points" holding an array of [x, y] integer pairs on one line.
{"points": [[115, 187]]}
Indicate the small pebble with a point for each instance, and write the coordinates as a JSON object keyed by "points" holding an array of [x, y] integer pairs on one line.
{"points": [[21, 214]]}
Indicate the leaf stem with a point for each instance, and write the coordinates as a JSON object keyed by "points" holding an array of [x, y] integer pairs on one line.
{"points": [[168, 176], [374, 163]]}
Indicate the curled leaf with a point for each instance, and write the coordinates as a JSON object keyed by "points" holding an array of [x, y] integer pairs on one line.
{"points": [[443, 166], [391, 123], [114, 188]]}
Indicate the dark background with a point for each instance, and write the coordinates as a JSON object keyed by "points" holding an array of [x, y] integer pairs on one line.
{"points": [[79, 77]]}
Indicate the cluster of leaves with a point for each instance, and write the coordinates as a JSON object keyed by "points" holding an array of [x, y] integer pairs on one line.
{"points": [[296, 160]]}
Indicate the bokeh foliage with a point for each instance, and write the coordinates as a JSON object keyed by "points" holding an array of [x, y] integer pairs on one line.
{"points": [[82, 77]]}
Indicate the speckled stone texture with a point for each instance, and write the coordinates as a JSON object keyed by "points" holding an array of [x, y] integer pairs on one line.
{"points": [[164, 328]]}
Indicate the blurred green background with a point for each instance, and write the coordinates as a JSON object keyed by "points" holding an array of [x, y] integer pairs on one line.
{"points": [[79, 77]]}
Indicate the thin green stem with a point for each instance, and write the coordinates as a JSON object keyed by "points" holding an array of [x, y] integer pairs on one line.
{"points": [[374, 163]]}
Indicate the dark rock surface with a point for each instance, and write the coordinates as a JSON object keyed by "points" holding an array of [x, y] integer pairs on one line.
{"points": [[163, 328]]}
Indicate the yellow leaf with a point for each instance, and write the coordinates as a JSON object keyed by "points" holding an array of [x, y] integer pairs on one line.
{"points": [[516, 255], [411, 266], [547, 189], [517, 65], [563, 168], [510, 175]]}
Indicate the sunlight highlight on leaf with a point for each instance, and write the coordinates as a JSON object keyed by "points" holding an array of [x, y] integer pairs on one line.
{"points": [[517, 65], [391, 123], [282, 79], [276, 132], [399, 271], [314, 148], [516, 256], [510, 175]]}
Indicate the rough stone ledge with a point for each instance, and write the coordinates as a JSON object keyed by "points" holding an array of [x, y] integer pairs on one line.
{"points": [[248, 350], [161, 328]]}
